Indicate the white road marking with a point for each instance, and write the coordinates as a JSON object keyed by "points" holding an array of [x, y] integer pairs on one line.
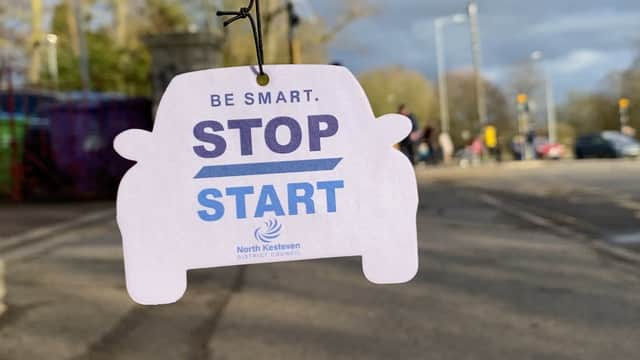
{"points": [[626, 239], [613, 250], [45, 232]]}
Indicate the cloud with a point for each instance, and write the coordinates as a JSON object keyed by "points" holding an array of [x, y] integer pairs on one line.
{"points": [[577, 61], [588, 22], [582, 40], [578, 70]]}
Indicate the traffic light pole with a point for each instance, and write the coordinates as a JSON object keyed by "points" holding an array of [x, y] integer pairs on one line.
{"points": [[624, 114], [523, 126]]}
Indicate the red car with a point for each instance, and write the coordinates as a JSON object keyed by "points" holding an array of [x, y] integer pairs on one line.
{"points": [[550, 151]]}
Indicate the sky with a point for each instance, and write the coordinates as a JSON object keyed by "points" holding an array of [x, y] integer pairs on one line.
{"points": [[582, 40]]}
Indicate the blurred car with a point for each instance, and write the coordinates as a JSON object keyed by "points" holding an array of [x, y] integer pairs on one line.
{"points": [[550, 151], [606, 144]]}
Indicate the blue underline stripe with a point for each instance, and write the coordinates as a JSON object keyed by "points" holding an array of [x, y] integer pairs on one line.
{"points": [[278, 167]]}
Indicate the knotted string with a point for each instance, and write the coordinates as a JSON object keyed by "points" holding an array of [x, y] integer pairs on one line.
{"points": [[245, 13]]}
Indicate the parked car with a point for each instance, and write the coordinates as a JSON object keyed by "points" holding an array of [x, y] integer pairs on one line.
{"points": [[548, 151], [606, 144]]}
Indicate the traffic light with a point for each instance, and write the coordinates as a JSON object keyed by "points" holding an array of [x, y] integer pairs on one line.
{"points": [[522, 99], [523, 102], [624, 103]]}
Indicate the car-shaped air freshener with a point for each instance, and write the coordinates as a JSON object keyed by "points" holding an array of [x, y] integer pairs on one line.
{"points": [[236, 173]]}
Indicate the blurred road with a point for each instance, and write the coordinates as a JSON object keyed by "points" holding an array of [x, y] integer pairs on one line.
{"points": [[517, 262]]}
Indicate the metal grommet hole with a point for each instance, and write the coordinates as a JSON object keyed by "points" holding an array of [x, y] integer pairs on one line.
{"points": [[263, 79]]}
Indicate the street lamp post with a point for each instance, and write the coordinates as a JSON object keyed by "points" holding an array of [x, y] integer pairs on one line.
{"points": [[52, 62], [476, 52], [552, 123], [439, 24]]}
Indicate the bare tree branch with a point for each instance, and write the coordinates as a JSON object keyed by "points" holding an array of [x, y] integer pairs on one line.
{"points": [[356, 10]]}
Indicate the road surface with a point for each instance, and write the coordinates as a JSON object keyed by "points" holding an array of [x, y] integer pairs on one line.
{"points": [[517, 262]]}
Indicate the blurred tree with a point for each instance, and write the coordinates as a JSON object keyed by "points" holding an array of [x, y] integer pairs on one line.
{"points": [[389, 87], [72, 26], [120, 61], [630, 88], [315, 36], [112, 68], [14, 20], [164, 16], [68, 63], [566, 134], [14, 34], [464, 113], [591, 112], [121, 15]]}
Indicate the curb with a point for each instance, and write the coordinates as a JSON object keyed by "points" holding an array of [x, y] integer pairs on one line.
{"points": [[480, 170], [524, 165]]}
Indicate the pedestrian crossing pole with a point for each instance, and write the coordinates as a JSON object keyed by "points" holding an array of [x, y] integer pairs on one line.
{"points": [[523, 126], [623, 104], [523, 113]]}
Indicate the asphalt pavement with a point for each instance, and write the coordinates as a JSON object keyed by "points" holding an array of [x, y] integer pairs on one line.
{"points": [[534, 261]]}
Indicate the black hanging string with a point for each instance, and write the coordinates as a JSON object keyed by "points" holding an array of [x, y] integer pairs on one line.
{"points": [[245, 13]]}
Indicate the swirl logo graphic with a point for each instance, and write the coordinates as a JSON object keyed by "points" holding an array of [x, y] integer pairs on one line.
{"points": [[269, 232]]}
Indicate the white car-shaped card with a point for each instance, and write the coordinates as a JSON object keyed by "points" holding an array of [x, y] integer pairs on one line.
{"points": [[235, 173]]}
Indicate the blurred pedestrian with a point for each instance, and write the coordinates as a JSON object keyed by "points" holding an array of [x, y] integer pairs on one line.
{"points": [[477, 149], [629, 131], [517, 147], [491, 141], [407, 144], [529, 146], [425, 145], [446, 144]]}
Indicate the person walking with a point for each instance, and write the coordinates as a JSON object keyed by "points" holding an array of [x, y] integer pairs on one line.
{"points": [[407, 144], [425, 145], [446, 144]]}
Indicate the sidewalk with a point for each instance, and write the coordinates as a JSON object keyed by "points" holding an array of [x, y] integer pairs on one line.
{"points": [[18, 218]]}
